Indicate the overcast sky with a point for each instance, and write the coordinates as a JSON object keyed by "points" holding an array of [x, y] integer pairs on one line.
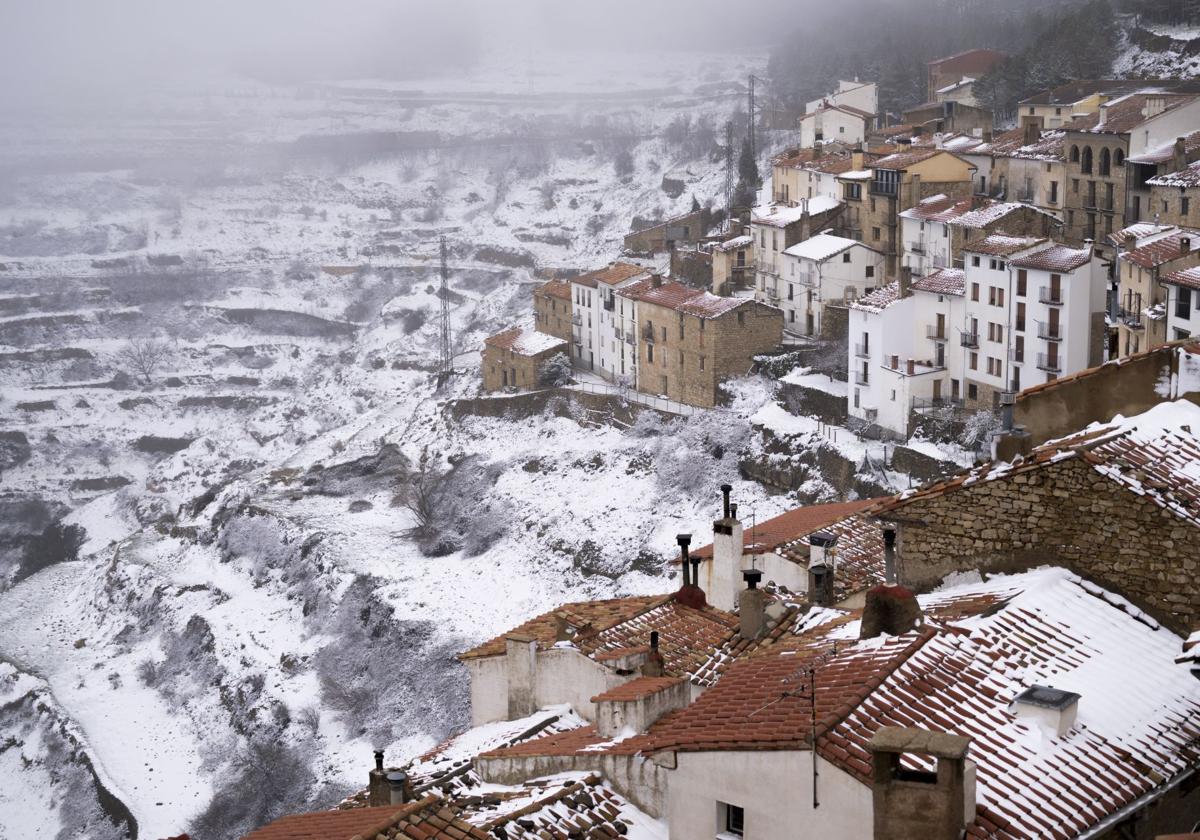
{"points": [[51, 48]]}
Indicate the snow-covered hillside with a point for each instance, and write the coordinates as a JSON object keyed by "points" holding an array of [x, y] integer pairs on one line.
{"points": [[251, 613]]}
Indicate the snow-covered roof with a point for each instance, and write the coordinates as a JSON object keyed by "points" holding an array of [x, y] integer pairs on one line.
{"points": [[1188, 278], [1156, 250], [963, 82], [878, 300], [708, 305], [1166, 151], [1187, 177], [778, 215], [943, 281], [734, 244], [525, 342], [821, 247], [1055, 257], [1002, 245], [857, 175]]}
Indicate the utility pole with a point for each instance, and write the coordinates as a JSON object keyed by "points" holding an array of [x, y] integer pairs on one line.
{"points": [[446, 354], [750, 115], [729, 179]]}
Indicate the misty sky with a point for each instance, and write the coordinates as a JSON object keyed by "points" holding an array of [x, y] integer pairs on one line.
{"points": [[51, 49]]}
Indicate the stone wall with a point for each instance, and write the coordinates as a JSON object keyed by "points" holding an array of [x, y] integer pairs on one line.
{"points": [[638, 779], [506, 369], [552, 315], [1168, 205], [1077, 201], [1064, 514], [559, 402]]}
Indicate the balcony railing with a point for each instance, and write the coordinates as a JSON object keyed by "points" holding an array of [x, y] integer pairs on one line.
{"points": [[863, 351], [1051, 362], [629, 338], [1049, 331], [917, 247], [648, 333], [1016, 354], [577, 319], [1132, 318], [610, 304], [935, 331], [861, 377], [969, 340], [1051, 295]]}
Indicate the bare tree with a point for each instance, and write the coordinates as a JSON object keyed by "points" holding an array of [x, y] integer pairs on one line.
{"points": [[423, 493], [144, 356]]}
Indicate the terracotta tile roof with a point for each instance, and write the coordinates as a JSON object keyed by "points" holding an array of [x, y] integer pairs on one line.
{"points": [[971, 61], [878, 300], [670, 295], [1185, 347], [1185, 178], [525, 342], [943, 281], [1139, 714], [1002, 245], [554, 809], [938, 208], [1188, 277], [903, 160], [1011, 144], [1120, 116], [637, 689], [708, 305], [610, 275], [423, 818], [1139, 231], [1055, 258], [634, 289], [1072, 92], [560, 289], [859, 551], [787, 527], [1152, 454], [584, 616], [1163, 249]]}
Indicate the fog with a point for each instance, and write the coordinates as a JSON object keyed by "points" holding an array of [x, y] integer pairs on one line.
{"points": [[61, 52]]}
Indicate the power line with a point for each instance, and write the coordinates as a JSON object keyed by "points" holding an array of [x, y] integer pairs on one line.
{"points": [[446, 354]]}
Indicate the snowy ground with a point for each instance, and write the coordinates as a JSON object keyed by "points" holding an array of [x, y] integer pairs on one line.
{"points": [[250, 615]]}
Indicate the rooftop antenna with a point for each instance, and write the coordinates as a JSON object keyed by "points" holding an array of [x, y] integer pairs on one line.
{"points": [[446, 355]]}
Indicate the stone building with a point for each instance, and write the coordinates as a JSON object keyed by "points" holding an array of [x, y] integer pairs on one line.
{"points": [[514, 358], [689, 341], [1103, 193], [1146, 255], [1175, 196], [661, 237], [732, 265], [898, 182], [947, 116], [1116, 505], [552, 309], [1025, 165], [951, 69]]}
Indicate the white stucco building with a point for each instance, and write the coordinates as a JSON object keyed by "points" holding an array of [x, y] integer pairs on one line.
{"points": [[598, 327], [1182, 303], [819, 270]]}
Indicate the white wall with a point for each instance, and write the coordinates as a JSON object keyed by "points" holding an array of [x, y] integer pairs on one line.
{"points": [[775, 789], [489, 689], [833, 125], [808, 285], [925, 245], [1182, 327], [1165, 129], [584, 303]]}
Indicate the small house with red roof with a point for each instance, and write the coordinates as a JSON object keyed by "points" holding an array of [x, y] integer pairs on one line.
{"points": [[514, 358]]}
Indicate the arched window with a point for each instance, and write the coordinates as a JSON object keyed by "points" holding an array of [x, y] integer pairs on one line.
{"points": [[1119, 158], [1085, 160], [1074, 154], [1105, 162]]}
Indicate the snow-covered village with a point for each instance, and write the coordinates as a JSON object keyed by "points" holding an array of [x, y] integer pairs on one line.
{"points": [[509, 420]]}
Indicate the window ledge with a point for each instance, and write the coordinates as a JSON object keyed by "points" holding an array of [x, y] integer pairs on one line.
{"points": [[726, 835]]}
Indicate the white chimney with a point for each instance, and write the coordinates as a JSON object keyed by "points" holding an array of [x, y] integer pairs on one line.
{"points": [[822, 564], [1050, 708], [722, 577]]}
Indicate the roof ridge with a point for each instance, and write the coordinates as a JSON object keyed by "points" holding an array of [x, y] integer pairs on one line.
{"points": [[406, 810], [538, 804]]}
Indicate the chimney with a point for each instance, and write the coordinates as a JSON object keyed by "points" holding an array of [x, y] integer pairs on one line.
{"points": [[690, 594], [822, 566], [1129, 242], [1179, 159], [655, 665], [1033, 131], [1185, 245], [399, 787], [890, 609], [889, 556], [633, 707], [378, 793], [987, 135], [656, 279], [895, 365], [910, 367], [752, 604], [905, 281], [1050, 708], [856, 159], [721, 575], [915, 181], [932, 805]]}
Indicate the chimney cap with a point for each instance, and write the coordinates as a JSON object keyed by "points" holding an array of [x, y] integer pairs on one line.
{"points": [[1046, 697], [823, 539], [397, 777], [726, 488], [752, 577], [889, 535], [683, 539], [378, 759]]}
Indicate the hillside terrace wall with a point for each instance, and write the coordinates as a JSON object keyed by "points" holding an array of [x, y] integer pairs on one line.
{"points": [[1063, 514]]}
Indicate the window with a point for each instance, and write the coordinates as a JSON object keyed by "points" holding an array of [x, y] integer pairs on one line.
{"points": [[1000, 296], [733, 820], [972, 391], [974, 361], [1022, 281], [1019, 349], [1105, 162], [1183, 304], [1119, 158], [701, 363], [664, 333], [650, 353], [1085, 160], [1075, 185], [975, 264], [681, 358], [870, 271], [1184, 206], [791, 292], [975, 290], [875, 233], [846, 257], [1074, 154], [1054, 192], [741, 319], [1021, 316]]}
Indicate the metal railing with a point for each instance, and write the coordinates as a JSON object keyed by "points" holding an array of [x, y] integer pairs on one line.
{"points": [[1049, 331], [863, 351], [648, 333], [577, 319], [969, 339], [1050, 295], [861, 377], [1016, 355], [921, 404], [917, 247], [1051, 362], [610, 304], [935, 331], [629, 395]]}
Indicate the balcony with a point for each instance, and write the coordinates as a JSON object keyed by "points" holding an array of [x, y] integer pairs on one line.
{"points": [[1050, 295], [935, 331], [969, 340], [1048, 331], [577, 319], [629, 339], [648, 333], [1016, 355], [610, 304], [1050, 362], [862, 351], [772, 295], [917, 247], [861, 377]]}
